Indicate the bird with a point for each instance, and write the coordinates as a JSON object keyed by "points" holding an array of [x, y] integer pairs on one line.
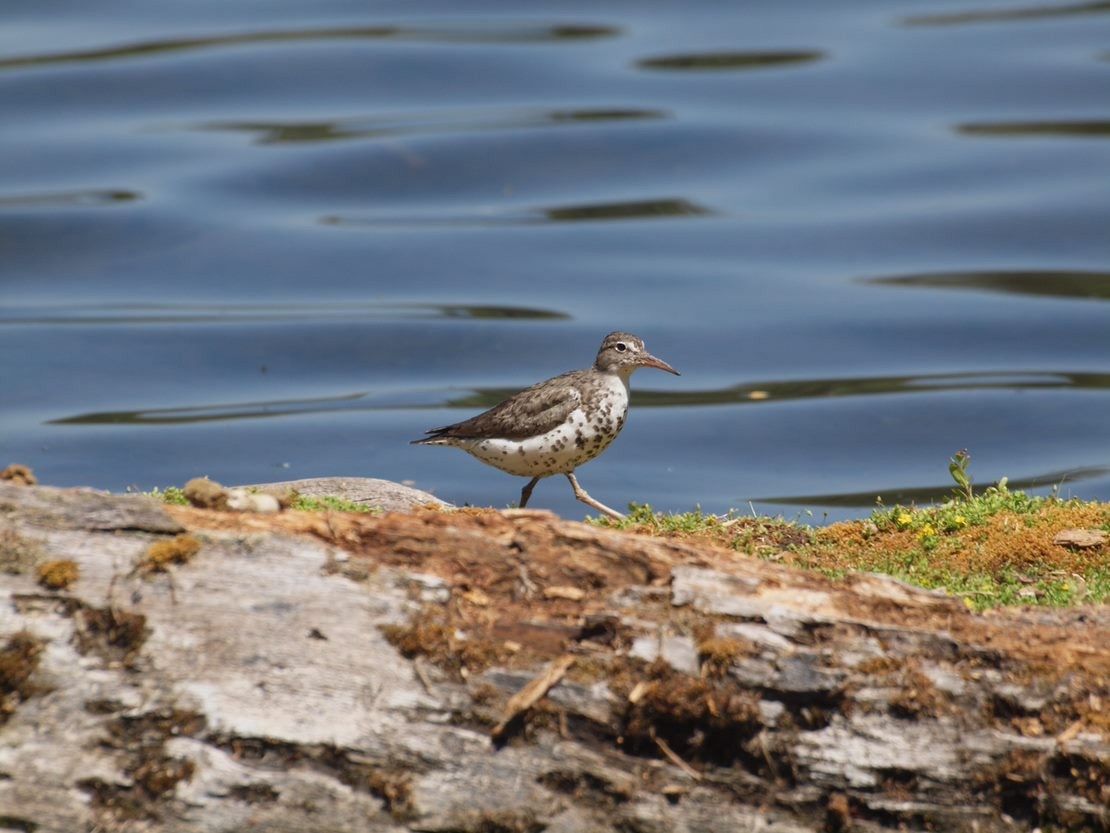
{"points": [[555, 426]]}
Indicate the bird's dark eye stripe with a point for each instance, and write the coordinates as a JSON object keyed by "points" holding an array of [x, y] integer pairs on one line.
{"points": [[621, 346]]}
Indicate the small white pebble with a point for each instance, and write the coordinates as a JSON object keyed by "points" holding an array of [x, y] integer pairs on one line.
{"points": [[240, 500], [265, 503]]}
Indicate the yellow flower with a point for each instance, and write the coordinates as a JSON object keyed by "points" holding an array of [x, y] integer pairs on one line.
{"points": [[959, 521], [927, 531], [903, 520]]}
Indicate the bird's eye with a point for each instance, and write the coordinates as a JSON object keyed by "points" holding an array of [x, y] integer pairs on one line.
{"points": [[621, 346]]}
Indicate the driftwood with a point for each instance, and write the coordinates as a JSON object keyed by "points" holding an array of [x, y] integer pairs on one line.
{"points": [[213, 671]]}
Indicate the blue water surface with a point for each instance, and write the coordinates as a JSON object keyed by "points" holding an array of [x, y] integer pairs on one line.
{"points": [[264, 241]]}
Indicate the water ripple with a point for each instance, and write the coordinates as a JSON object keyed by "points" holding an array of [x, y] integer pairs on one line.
{"points": [[94, 197], [481, 398], [508, 33], [1049, 284], [147, 314], [796, 389], [1002, 15], [421, 124], [214, 413], [1087, 129], [656, 209], [720, 61], [924, 495]]}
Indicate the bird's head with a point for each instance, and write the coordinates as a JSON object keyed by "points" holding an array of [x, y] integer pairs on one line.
{"points": [[622, 353]]}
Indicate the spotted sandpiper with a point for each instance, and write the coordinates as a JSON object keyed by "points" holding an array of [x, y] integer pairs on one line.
{"points": [[557, 425]]}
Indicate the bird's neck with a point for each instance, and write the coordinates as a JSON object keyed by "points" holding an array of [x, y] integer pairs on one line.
{"points": [[621, 373]]}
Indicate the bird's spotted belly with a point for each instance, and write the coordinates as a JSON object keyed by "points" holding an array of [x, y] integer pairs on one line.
{"points": [[558, 451]]}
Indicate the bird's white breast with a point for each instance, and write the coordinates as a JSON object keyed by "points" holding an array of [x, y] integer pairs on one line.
{"points": [[586, 432]]}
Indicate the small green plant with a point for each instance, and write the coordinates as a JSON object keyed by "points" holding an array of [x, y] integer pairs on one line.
{"points": [[957, 467], [171, 495]]}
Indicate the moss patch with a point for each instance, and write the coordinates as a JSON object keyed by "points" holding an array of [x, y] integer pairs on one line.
{"points": [[161, 554], [329, 504], [18, 473], [19, 554], [57, 575]]}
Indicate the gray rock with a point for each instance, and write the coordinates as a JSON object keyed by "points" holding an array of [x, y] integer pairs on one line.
{"points": [[370, 491]]}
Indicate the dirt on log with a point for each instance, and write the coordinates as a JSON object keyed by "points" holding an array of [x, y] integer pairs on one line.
{"points": [[508, 671]]}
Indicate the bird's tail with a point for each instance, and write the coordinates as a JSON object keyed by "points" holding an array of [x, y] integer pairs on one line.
{"points": [[435, 437]]}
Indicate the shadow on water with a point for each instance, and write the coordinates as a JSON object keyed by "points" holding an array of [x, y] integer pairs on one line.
{"points": [[1091, 129], [509, 33], [1002, 15], [657, 209], [723, 61], [215, 413], [69, 198], [146, 314], [417, 124], [1086, 285], [482, 398], [929, 494]]}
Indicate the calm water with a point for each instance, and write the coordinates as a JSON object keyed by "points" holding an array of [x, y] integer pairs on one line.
{"points": [[263, 241]]}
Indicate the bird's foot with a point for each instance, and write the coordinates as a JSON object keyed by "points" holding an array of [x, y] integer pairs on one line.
{"points": [[584, 496]]}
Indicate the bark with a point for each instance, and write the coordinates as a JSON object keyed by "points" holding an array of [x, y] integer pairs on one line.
{"points": [[332, 672]]}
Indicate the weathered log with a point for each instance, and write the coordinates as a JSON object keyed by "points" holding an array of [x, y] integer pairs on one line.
{"points": [[334, 672]]}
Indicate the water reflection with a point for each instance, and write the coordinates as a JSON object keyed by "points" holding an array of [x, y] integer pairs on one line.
{"points": [[930, 494], [146, 314], [506, 33], [69, 198], [1000, 15], [642, 209], [214, 413], [750, 394], [656, 209], [717, 61], [416, 124], [482, 398], [1093, 128], [1050, 284]]}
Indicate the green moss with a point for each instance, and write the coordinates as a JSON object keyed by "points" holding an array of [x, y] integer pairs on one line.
{"points": [[959, 514], [992, 549], [328, 504]]}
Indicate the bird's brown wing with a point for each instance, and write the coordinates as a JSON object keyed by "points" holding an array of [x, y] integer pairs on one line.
{"points": [[533, 411]]}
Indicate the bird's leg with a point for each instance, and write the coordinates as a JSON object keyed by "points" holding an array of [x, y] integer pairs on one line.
{"points": [[526, 492], [581, 494]]}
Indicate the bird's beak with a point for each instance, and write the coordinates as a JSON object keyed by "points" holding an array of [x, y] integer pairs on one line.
{"points": [[648, 360]]}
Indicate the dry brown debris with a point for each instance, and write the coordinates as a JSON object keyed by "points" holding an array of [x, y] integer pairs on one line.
{"points": [[115, 635], [697, 719], [206, 494], [18, 660]]}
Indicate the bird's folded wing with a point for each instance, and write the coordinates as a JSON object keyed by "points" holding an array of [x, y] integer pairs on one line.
{"points": [[531, 412]]}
